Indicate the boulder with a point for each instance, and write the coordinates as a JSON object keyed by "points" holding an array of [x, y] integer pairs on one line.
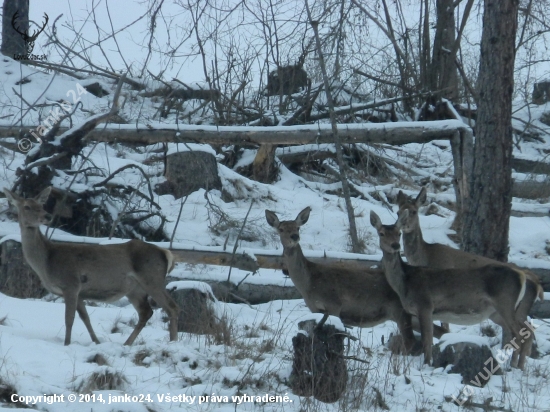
{"points": [[471, 357]]}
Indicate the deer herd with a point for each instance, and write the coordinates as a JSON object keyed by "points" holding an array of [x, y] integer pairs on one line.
{"points": [[437, 283]]}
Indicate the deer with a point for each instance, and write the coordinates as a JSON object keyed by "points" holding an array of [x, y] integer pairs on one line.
{"points": [[359, 297], [436, 255], [103, 273], [461, 296]]}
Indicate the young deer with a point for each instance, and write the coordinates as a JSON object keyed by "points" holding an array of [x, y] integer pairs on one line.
{"points": [[439, 256], [102, 273], [462, 296], [358, 297]]}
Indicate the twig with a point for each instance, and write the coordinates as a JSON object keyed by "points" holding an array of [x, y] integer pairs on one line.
{"points": [[355, 358], [237, 241], [177, 221], [108, 178], [46, 160], [243, 300], [136, 85], [247, 275]]}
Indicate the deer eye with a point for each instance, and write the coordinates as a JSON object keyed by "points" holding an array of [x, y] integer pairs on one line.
{"points": [[27, 207]]}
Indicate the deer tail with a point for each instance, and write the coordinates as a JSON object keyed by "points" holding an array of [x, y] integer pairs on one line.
{"points": [[170, 263], [535, 279], [523, 282], [540, 292]]}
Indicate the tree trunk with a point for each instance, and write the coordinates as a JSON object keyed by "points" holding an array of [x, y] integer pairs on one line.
{"points": [[12, 42], [486, 223], [443, 72]]}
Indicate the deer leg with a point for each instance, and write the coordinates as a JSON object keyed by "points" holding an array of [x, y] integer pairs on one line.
{"points": [[71, 299], [83, 313], [524, 338], [154, 286], [517, 341], [404, 323], [522, 312], [165, 301], [323, 320], [425, 316], [139, 300], [527, 342]]}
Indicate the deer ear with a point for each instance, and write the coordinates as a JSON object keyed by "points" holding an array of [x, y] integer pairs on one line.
{"points": [[375, 220], [401, 198], [303, 216], [272, 219], [12, 197], [421, 198], [403, 219], [43, 195]]}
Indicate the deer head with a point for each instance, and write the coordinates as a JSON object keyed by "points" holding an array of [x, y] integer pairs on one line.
{"points": [[31, 211], [289, 231], [412, 205], [389, 235]]}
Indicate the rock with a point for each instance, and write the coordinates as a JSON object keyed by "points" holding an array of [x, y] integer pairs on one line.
{"points": [[17, 279], [319, 367], [471, 359]]}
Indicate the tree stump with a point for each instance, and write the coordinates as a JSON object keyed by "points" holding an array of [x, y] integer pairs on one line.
{"points": [[187, 172], [196, 302], [469, 359], [17, 279], [319, 367], [264, 168]]}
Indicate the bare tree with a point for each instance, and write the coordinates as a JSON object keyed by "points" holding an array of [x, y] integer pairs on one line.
{"points": [[486, 224], [355, 245]]}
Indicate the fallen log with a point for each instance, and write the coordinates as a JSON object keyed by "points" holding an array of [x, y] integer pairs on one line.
{"points": [[267, 260], [530, 166], [530, 189], [397, 133], [252, 260]]}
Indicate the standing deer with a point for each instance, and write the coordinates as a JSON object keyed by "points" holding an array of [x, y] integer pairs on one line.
{"points": [[439, 256], [102, 273], [358, 297], [462, 296]]}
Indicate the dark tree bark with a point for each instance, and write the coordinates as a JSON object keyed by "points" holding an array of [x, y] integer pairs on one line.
{"points": [[443, 71], [12, 42], [264, 168], [486, 223]]}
